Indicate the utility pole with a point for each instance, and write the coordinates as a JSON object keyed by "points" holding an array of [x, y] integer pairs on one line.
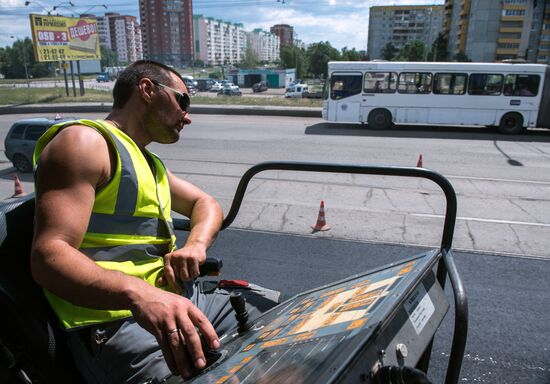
{"points": [[429, 33]]}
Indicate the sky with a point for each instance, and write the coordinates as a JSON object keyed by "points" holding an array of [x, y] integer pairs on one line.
{"points": [[343, 23]]}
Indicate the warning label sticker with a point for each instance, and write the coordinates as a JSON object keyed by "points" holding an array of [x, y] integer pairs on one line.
{"points": [[420, 308]]}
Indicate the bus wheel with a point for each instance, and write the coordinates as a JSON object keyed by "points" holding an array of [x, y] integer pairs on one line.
{"points": [[380, 119], [511, 123]]}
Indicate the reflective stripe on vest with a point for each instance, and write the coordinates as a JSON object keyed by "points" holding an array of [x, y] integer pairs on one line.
{"points": [[130, 227]]}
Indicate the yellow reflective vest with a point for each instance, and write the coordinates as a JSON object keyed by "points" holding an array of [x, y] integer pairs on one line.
{"points": [[130, 228]]}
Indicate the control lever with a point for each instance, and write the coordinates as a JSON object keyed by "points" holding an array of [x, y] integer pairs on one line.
{"points": [[211, 267], [239, 306], [211, 355]]}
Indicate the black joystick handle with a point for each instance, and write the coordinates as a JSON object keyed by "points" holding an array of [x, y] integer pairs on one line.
{"points": [[239, 306], [211, 355]]}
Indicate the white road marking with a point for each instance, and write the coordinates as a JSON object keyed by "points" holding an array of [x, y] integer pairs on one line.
{"points": [[512, 222]]}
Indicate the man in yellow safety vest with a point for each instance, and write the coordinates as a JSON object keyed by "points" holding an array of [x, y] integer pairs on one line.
{"points": [[104, 247]]}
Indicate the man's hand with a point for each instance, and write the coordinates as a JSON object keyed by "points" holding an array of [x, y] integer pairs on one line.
{"points": [[183, 264], [174, 321]]}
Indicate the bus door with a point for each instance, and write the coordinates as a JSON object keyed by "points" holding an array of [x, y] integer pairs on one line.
{"points": [[345, 96]]}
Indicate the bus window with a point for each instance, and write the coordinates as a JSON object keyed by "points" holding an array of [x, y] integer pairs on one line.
{"points": [[450, 83], [521, 85], [485, 84], [380, 82], [342, 86], [415, 82]]}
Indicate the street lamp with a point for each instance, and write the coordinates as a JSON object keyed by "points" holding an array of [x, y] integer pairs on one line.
{"points": [[27, 3], [24, 55], [62, 4]]}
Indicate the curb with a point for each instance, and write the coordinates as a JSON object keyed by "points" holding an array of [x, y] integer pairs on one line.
{"points": [[195, 109]]}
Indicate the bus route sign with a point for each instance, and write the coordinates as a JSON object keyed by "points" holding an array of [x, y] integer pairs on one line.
{"points": [[58, 38]]}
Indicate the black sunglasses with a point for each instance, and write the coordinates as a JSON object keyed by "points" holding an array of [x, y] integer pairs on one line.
{"points": [[183, 98]]}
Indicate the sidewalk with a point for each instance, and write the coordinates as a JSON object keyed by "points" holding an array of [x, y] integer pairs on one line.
{"points": [[196, 109]]}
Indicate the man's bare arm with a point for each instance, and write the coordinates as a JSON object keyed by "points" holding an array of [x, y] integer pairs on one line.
{"points": [[70, 168], [206, 217]]}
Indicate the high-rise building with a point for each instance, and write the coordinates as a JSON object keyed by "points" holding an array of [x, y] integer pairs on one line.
{"points": [[167, 31], [218, 42], [122, 34], [285, 33], [264, 44], [495, 30], [400, 25]]}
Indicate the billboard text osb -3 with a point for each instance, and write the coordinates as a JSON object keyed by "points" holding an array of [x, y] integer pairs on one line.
{"points": [[58, 38]]}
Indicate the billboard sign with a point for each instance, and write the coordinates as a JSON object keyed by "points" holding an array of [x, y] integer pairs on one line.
{"points": [[58, 38]]}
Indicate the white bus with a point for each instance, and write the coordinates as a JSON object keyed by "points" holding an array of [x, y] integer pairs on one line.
{"points": [[510, 96]]}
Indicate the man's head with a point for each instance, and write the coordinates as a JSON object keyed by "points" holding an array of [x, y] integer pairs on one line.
{"points": [[155, 96], [130, 77]]}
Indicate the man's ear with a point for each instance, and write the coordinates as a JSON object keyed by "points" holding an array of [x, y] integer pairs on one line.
{"points": [[146, 89]]}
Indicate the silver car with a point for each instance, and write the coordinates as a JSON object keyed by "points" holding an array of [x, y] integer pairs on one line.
{"points": [[21, 140]]}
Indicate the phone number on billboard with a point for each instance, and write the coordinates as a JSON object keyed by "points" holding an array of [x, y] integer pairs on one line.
{"points": [[52, 54]]}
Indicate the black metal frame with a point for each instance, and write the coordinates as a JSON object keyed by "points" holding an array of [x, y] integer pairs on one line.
{"points": [[446, 266]]}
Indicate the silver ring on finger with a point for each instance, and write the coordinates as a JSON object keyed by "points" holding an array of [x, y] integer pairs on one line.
{"points": [[173, 331]]}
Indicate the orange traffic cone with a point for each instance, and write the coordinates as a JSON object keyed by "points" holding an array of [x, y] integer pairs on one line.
{"points": [[321, 224], [419, 162], [18, 187]]}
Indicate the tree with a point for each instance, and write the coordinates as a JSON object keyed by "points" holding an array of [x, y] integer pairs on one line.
{"points": [[18, 61], [389, 51], [412, 51], [353, 55], [250, 59], [461, 56], [109, 58], [319, 54], [294, 57], [439, 50]]}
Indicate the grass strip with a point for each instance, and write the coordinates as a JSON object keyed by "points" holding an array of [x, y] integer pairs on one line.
{"points": [[22, 95]]}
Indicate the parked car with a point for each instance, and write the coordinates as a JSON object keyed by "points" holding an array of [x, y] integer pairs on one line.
{"points": [[295, 82], [313, 93], [204, 84], [260, 87], [103, 77], [231, 86], [296, 91], [189, 79], [216, 87], [230, 92], [190, 85], [22, 137]]}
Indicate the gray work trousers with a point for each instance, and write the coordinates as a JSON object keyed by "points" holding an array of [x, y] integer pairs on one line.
{"points": [[124, 352]]}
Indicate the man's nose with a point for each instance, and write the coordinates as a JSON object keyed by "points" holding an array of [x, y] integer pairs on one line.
{"points": [[186, 118]]}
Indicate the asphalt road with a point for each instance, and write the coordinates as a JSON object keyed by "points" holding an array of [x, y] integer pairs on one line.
{"points": [[502, 185], [502, 182], [509, 331]]}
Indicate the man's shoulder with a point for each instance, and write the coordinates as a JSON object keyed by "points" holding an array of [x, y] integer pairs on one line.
{"points": [[79, 133], [78, 152]]}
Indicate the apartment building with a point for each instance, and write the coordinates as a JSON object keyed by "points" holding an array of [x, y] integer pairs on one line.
{"points": [[122, 34], [218, 42], [496, 30], [265, 44], [539, 39], [400, 25], [167, 31], [285, 33]]}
